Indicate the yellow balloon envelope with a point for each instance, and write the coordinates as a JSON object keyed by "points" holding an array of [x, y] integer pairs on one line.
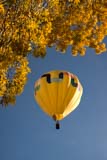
{"points": [[58, 93]]}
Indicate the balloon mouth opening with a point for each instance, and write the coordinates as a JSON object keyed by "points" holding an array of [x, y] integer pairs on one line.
{"points": [[57, 117]]}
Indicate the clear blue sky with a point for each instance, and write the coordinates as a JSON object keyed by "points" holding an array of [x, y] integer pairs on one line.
{"points": [[26, 133]]}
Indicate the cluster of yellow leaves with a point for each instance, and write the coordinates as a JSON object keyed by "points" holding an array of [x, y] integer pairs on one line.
{"points": [[13, 78], [1, 9], [30, 26]]}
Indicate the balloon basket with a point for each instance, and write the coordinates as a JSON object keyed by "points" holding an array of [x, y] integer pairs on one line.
{"points": [[57, 125]]}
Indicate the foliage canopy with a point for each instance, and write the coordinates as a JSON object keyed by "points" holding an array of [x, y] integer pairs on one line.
{"points": [[30, 26]]}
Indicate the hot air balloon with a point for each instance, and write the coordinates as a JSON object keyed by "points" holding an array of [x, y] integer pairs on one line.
{"points": [[58, 93]]}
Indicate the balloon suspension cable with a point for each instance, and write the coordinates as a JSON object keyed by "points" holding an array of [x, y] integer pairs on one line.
{"points": [[57, 125]]}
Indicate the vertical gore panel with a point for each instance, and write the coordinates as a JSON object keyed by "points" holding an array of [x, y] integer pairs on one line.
{"points": [[62, 91], [42, 96], [74, 102]]}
